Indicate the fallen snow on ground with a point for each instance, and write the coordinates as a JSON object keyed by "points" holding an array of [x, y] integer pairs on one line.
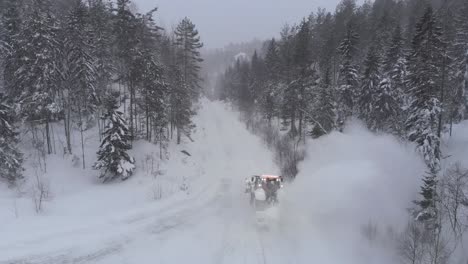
{"points": [[206, 214], [193, 209]]}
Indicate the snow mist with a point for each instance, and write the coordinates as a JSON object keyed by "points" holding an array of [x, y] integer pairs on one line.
{"points": [[349, 200]]}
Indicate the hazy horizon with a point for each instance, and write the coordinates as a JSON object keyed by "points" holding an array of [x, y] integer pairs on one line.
{"points": [[223, 22]]}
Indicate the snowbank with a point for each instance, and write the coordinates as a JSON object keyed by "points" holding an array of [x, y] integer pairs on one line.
{"points": [[349, 182]]}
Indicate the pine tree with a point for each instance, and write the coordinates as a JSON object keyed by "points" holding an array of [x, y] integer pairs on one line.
{"points": [[269, 96], [459, 52], [348, 78], [369, 83], [256, 80], [186, 80], [180, 103], [385, 103], [38, 73], [393, 86], [424, 123], [81, 70], [10, 26], [394, 52], [324, 107], [424, 86], [126, 42], [10, 158], [305, 73], [100, 22], [428, 211], [113, 159], [188, 57], [152, 86]]}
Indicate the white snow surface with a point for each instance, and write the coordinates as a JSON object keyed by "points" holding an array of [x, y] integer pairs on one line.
{"points": [[202, 214]]}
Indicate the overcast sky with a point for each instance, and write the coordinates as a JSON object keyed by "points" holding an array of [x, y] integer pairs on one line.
{"points": [[223, 21]]}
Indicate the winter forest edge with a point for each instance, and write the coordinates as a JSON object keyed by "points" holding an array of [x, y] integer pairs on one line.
{"points": [[399, 67]]}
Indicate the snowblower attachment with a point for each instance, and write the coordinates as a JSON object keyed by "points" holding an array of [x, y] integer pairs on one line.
{"points": [[263, 191]]}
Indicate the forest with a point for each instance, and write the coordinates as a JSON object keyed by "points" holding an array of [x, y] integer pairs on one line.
{"points": [[400, 67], [71, 70], [94, 63]]}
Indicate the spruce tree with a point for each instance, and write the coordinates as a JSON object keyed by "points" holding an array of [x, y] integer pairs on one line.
{"points": [[385, 108], [10, 28], [324, 107], [427, 205], [126, 42], [152, 86], [38, 73], [348, 77], [425, 77], [100, 22], [113, 159], [186, 79], [180, 101], [10, 158], [305, 73], [188, 55], [459, 53], [424, 86], [393, 85], [257, 79], [81, 70], [269, 97], [369, 83]]}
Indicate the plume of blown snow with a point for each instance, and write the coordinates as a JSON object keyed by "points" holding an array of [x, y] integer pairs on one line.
{"points": [[349, 182]]}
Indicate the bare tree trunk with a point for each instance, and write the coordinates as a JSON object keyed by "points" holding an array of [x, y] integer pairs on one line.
{"points": [[81, 135], [442, 97], [53, 139], [131, 110], [178, 136], [300, 123], [66, 122], [49, 145]]}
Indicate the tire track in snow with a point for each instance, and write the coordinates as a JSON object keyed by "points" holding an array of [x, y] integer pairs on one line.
{"points": [[157, 226]]}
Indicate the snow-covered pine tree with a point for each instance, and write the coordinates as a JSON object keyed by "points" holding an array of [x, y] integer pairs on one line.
{"points": [[81, 72], [241, 84], [459, 53], [10, 26], [324, 107], [369, 83], [10, 158], [152, 86], [126, 43], [181, 112], [100, 22], [424, 87], [186, 80], [113, 159], [38, 75], [394, 84], [424, 80], [427, 205], [286, 55], [305, 73], [348, 78], [188, 55], [154, 92], [269, 96], [385, 108], [256, 80]]}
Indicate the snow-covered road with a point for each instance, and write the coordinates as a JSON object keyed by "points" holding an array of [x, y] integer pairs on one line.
{"points": [[213, 224], [320, 218]]}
